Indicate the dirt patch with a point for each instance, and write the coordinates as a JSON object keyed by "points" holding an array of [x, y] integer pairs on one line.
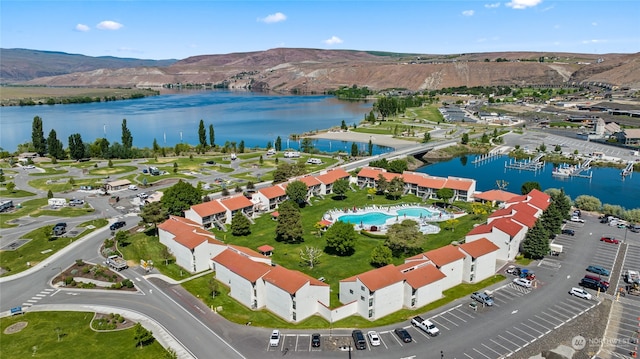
{"points": [[14, 328]]}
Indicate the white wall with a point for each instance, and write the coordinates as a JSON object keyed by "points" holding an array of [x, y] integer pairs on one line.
{"points": [[184, 257], [453, 272], [500, 239], [192, 215], [240, 288], [385, 301], [429, 293]]}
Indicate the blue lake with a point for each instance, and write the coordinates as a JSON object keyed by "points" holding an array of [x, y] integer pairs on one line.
{"points": [[605, 183], [255, 118]]}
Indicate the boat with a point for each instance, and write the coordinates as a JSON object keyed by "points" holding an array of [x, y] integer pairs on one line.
{"points": [[563, 171]]}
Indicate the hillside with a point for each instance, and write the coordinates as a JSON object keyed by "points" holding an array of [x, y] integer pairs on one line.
{"points": [[315, 71]]}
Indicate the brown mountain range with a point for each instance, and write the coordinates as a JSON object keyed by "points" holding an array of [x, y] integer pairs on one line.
{"points": [[315, 71]]}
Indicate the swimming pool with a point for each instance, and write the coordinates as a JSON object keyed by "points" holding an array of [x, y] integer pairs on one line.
{"points": [[367, 219], [417, 212], [382, 217]]}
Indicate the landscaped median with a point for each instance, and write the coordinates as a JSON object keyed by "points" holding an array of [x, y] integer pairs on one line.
{"points": [[40, 245]]}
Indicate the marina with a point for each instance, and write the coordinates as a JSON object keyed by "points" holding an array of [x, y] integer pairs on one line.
{"points": [[536, 164], [574, 170]]}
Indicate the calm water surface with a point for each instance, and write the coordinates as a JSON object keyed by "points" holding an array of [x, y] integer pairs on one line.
{"points": [[255, 118], [605, 184]]}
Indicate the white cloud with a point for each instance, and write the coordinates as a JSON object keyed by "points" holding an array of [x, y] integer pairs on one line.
{"points": [[594, 24], [522, 4], [109, 25], [492, 6], [593, 41], [468, 13], [273, 18], [333, 40], [82, 28]]}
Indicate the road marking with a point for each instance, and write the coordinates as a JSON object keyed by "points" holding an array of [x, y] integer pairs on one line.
{"points": [[534, 329], [50, 290], [41, 295], [27, 304], [468, 355], [458, 317], [481, 353], [560, 314], [56, 292], [440, 324], [450, 321], [515, 336], [503, 338], [514, 312], [537, 316], [523, 332], [138, 279], [496, 343]]}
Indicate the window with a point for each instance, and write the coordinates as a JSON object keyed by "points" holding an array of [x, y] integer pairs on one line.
{"points": [[413, 302], [473, 267], [294, 304], [371, 302], [362, 288], [370, 313], [294, 315], [362, 298]]}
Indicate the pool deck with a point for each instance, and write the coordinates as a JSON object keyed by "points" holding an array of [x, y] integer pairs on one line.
{"points": [[392, 210]]}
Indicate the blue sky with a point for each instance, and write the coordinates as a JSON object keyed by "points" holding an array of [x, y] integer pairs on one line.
{"points": [[178, 29]]}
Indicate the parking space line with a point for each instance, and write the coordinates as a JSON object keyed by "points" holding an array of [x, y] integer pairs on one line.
{"points": [[465, 313], [523, 332], [544, 320], [560, 314], [532, 328], [451, 313], [450, 321], [493, 350], [469, 356], [503, 338], [481, 353], [437, 322]]}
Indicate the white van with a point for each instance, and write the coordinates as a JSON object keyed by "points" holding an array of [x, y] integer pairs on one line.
{"points": [[133, 187]]}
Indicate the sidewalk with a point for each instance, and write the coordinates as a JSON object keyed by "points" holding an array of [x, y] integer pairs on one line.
{"points": [[173, 281]]}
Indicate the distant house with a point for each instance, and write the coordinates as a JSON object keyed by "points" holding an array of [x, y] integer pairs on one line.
{"points": [[423, 283], [448, 259], [189, 243], [314, 186], [207, 214], [376, 292], [269, 198], [630, 136], [329, 177], [504, 233], [480, 260], [494, 197], [236, 204]]}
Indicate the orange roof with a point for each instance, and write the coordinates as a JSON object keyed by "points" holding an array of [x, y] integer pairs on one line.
{"points": [[370, 172], [235, 203], [481, 229], [516, 199], [310, 181], [507, 226], [241, 265], [411, 264], [208, 208], [186, 232], [524, 208], [458, 184], [479, 247], [539, 202], [246, 252], [501, 213], [444, 255], [432, 182], [495, 195], [265, 248], [333, 175], [289, 280], [422, 276], [524, 218], [378, 278], [273, 192]]}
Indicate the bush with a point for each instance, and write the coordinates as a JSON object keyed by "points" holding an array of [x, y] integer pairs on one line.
{"points": [[79, 262], [117, 285]]}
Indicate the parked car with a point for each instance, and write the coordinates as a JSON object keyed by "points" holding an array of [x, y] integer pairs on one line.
{"points": [[374, 338], [580, 293], [522, 282], [358, 339], [404, 335], [598, 279], [211, 162], [514, 270], [315, 340], [274, 340], [598, 270], [133, 187], [482, 298], [593, 284], [76, 202], [142, 195], [61, 224], [569, 232], [607, 239], [577, 219], [117, 225]]}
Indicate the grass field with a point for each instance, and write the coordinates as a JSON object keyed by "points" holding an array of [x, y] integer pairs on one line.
{"points": [[41, 246], [68, 335]]}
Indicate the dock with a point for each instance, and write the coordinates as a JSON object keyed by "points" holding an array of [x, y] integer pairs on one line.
{"points": [[493, 154], [533, 165], [628, 171], [574, 171]]}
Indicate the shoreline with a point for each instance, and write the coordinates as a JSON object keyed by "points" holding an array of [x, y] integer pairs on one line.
{"points": [[376, 139]]}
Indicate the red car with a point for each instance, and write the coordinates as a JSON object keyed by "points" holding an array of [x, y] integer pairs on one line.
{"points": [[609, 240]]}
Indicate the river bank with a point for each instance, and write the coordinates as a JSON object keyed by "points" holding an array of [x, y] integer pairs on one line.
{"points": [[376, 139]]}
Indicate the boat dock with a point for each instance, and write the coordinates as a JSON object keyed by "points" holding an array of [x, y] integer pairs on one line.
{"points": [[493, 154], [574, 171], [526, 165], [628, 171]]}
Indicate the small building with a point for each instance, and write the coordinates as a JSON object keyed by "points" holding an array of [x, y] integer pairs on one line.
{"points": [[57, 202], [629, 136], [118, 185], [266, 250]]}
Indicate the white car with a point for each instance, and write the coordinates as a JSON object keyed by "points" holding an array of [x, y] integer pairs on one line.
{"points": [[522, 282], [143, 195], [274, 340], [580, 293], [29, 167], [577, 219], [374, 338]]}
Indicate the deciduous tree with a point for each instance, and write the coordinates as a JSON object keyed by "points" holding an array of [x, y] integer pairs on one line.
{"points": [[202, 137], [381, 256], [445, 194], [76, 146], [297, 192], [153, 213], [240, 225], [127, 139], [404, 238], [55, 146], [341, 238], [141, 335], [212, 136], [310, 255], [529, 186], [289, 228], [180, 197], [340, 188]]}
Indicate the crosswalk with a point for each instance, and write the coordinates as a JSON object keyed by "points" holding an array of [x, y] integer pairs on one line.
{"points": [[36, 298]]}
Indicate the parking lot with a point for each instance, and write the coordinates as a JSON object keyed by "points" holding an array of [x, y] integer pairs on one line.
{"points": [[621, 338]]}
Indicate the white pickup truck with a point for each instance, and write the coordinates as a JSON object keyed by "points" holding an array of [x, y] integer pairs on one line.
{"points": [[425, 325]]}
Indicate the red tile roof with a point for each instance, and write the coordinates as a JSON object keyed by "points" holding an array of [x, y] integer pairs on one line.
{"points": [[525, 219], [524, 208], [411, 263], [444, 255], [458, 184], [265, 248], [273, 192], [507, 226], [516, 199], [246, 252], [479, 247], [539, 202], [241, 265], [235, 203], [378, 278], [333, 175], [495, 195], [370, 172], [290, 280], [208, 208], [501, 213], [481, 229], [310, 181], [422, 276], [187, 233]]}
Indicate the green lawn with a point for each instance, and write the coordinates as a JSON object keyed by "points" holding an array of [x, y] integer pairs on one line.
{"points": [[41, 246], [15, 194], [48, 171], [107, 171], [60, 184], [40, 339]]}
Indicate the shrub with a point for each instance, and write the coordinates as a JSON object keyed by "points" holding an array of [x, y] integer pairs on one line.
{"points": [[79, 262]]}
